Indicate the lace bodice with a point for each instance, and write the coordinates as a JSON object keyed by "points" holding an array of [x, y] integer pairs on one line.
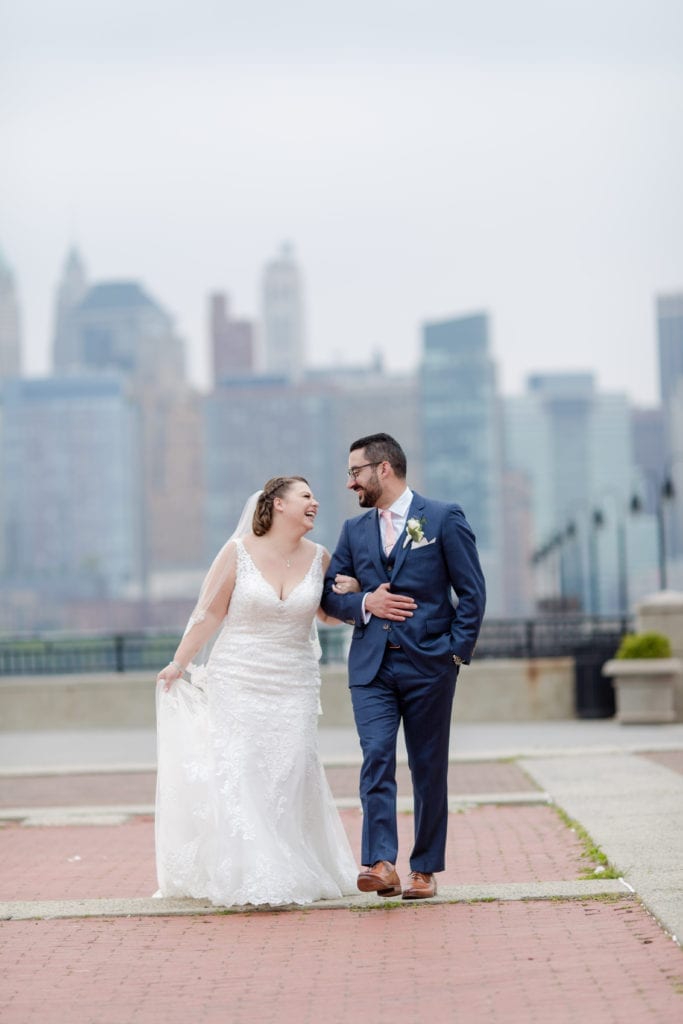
{"points": [[257, 613]]}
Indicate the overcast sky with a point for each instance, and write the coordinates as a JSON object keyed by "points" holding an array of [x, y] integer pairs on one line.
{"points": [[427, 158]]}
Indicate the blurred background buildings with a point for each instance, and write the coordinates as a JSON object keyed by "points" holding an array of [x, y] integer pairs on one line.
{"points": [[120, 480]]}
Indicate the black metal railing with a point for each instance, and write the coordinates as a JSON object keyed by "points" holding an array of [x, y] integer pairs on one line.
{"points": [[500, 638], [550, 637]]}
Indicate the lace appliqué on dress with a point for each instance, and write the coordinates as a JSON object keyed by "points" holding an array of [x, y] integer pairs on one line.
{"points": [[244, 811]]}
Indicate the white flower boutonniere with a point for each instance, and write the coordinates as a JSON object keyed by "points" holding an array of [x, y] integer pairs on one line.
{"points": [[414, 531]]}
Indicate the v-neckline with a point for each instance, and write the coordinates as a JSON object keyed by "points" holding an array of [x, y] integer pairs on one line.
{"points": [[282, 600]]}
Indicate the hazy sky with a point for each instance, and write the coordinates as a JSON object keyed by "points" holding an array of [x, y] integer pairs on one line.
{"points": [[426, 158]]}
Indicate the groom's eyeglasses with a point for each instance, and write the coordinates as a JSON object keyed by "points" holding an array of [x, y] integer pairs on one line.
{"points": [[355, 470]]}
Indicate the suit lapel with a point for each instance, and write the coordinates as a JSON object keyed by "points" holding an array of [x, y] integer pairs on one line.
{"points": [[414, 512]]}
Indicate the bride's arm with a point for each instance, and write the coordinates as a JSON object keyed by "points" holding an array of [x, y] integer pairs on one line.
{"points": [[206, 618], [343, 585]]}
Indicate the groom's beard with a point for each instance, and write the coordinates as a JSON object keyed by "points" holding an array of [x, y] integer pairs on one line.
{"points": [[369, 495]]}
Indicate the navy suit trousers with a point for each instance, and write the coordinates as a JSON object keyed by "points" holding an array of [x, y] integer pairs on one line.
{"points": [[397, 693]]}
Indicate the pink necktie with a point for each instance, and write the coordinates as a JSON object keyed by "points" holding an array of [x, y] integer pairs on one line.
{"points": [[389, 531]]}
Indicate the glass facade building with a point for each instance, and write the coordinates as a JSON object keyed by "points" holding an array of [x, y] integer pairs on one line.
{"points": [[283, 317], [459, 418], [69, 508], [573, 444], [10, 328]]}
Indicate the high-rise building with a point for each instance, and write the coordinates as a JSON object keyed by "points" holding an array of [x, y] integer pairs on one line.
{"points": [[10, 329], [670, 345], [263, 427], [283, 316], [517, 530], [670, 349], [70, 293], [573, 445], [364, 400], [118, 327], [70, 521], [460, 433], [648, 439], [232, 341], [172, 486], [267, 426]]}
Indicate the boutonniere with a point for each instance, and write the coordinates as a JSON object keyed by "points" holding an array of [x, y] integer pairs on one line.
{"points": [[414, 531]]}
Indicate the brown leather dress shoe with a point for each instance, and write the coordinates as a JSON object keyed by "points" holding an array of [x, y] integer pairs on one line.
{"points": [[420, 886], [381, 878]]}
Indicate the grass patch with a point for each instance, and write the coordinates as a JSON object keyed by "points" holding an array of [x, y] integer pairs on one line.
{"points": [[386, 905], [591, 851]]}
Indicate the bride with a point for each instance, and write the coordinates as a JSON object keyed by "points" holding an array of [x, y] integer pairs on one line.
{"points": [[244, 813]]}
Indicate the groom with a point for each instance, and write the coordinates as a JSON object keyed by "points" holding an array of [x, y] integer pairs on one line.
{"points": [[408, 643]]}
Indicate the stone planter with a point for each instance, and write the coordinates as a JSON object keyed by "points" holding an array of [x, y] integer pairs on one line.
{"points": [[644, 688]]}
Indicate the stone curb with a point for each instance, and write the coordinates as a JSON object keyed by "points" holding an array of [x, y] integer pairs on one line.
{"points": [[170, 907]]}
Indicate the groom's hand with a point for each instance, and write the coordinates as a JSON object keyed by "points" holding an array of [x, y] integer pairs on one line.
{"points": [[385, 605]]}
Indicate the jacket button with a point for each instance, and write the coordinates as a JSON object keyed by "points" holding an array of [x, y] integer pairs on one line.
{"points": [[386, 626]]}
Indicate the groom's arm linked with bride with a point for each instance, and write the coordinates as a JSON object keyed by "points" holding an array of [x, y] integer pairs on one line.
{"points": [[411, 555]]}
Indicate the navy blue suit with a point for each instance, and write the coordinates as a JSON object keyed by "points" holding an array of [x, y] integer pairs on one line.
{"points": [[415, 683]]}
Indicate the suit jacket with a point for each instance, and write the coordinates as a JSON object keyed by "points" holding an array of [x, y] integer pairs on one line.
{"points": [[427, 570]]}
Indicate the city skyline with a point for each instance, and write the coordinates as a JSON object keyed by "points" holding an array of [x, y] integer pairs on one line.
{"points": [[535, 472], [426, 162], [200, 370]]}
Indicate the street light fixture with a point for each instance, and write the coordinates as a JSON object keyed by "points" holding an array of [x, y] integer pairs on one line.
{"points": [[597, 521], [665, 492]]}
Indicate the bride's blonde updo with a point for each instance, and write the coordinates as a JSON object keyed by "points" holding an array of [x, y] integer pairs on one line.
{"points": [[263, 513]]}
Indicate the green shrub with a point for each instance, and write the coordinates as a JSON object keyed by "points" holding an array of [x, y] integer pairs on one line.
{"points": [[644, 645]]}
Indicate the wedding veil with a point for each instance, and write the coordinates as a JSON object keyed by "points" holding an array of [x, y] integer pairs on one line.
{"points": [[213, 582]]}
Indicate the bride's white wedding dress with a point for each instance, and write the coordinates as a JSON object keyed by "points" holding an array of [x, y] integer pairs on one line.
{"points": [[244, 811]]}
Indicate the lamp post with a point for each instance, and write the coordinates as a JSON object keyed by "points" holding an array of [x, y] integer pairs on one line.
{"points": [[665, 492], [554, 581], [622, 554], [596, 523], [561, 575], [568, 534]]}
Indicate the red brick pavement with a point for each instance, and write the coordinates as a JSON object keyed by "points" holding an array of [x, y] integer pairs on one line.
{"points": [[464, 777], [505, 963], [98, 789], [543, 961], [485, 845], [672, 759], [107, 788]]}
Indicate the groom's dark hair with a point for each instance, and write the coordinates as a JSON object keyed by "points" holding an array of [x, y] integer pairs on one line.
{"points": [[383, 448]]}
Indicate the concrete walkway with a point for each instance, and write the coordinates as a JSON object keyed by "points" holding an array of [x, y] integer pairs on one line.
{"points": [[530, 924], [81, 749]]}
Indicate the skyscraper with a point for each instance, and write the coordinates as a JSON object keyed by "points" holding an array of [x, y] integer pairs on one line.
{"points": [[172, 486], [70, 293], [573, 445], [670, 345], [262, 427], [232, 341], [670, 348], [648, 438], [70, 522], [10, 330], [117, 331], [118, 327], [460, 433], [283, 316]]}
